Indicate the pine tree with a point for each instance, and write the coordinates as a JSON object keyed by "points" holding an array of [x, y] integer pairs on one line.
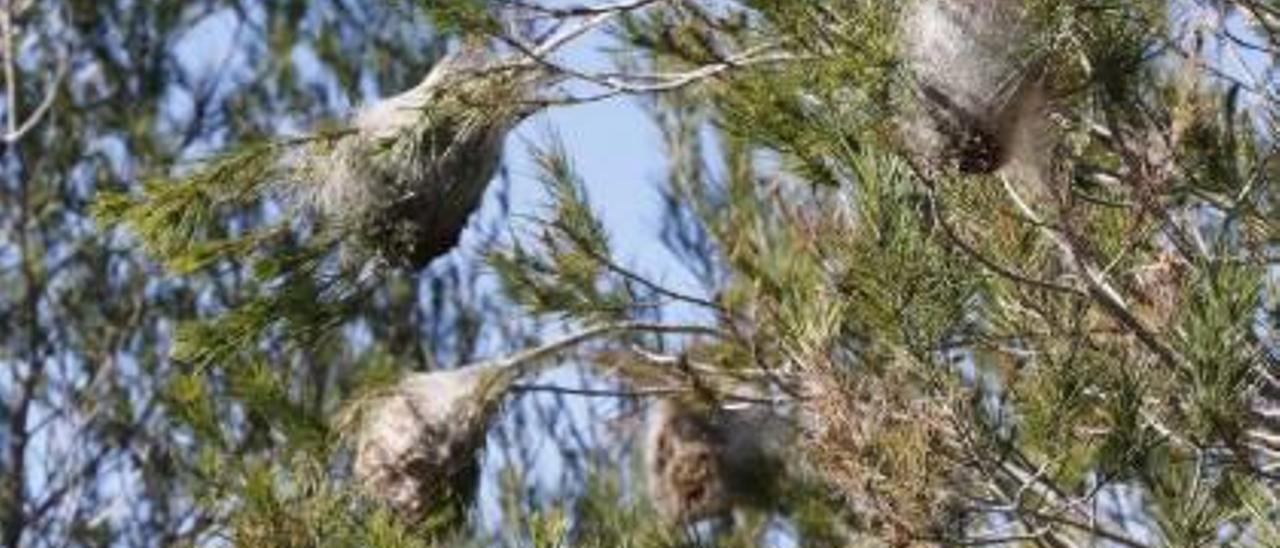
{"points": [[106, 439], [973, 272]]}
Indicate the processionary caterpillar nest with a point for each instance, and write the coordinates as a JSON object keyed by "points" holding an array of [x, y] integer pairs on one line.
{"points": [[704, 461], [412, 168], [418, 445], [978, 95]]}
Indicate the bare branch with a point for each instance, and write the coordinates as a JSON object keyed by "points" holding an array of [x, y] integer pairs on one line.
{"points": [[611, 8], [10, 71], [939, 209], [17, 133], [597, 393], [1099, 287], [524, 362]]}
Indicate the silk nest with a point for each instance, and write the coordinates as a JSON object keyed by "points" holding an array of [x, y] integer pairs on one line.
{"points": [[402, 180], [978, 101]]}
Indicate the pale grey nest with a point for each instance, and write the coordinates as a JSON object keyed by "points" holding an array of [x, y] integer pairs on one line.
{"points": [[978, 89], [418, 445], [406, 177]]}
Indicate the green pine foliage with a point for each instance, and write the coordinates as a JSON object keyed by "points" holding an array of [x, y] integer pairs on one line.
{"points": [[1079, 349], [978, 371], [565, 269]]}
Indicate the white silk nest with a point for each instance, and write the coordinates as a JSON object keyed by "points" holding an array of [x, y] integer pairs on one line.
{"points": [[418, 445], [979, 101], [404, 178]]}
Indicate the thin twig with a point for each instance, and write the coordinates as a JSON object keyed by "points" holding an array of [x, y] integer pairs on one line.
{"points": [[631, 276], [17, 133], [939, 215], [524, 362], [617, 7], [1099, 288], [10, 73], [597, 393]]}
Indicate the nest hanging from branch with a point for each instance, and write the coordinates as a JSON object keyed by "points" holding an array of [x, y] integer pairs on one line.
{"points": [[405, 178], [393, 189], [704, 461], [978, 95], [418, 445]]}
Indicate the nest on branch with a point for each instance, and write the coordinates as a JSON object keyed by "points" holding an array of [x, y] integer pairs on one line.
{"points": [[406, 176], [418, 445], [978, 98], [704, 461]]}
